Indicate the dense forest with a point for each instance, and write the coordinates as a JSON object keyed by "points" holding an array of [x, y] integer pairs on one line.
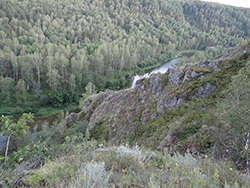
{"points": [[50, 50]]}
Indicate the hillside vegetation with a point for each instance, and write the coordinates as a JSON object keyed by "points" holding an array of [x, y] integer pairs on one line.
{"points": [[184, 128], [50, 50], [188, 127], [200, 108]]}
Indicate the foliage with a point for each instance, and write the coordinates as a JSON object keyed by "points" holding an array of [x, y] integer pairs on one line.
{"points": [[235, 107], [92, 174], [107, 167], [50, 52], [90, 89], [10, 128], [68, 159], [233, 115], [135, 152], [47, 57]]}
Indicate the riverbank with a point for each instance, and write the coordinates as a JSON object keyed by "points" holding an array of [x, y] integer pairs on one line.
{"points": [[17, 111]]}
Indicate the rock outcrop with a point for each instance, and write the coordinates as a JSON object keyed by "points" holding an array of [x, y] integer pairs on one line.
{"points": [[120, 111], [117, 115]]}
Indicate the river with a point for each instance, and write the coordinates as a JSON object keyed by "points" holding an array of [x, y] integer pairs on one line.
{"points": [[161, 69], [2, 141]]}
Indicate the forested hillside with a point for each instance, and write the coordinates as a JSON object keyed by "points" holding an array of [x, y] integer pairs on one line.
{"points": [[50, 50], [188, 127]]}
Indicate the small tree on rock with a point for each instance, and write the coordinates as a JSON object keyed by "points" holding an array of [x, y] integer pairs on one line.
{"points": [[9, 128], [90, 89]]}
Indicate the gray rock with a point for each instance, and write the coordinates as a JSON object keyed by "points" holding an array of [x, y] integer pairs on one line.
{"points": [[155, 84], [86, 104], [161, 108], [121, 111], [187, 75], [213, 64], [71, 118], [166, 141], [173, 102], [174, 76], [203, 63], [195, 74], [205, 90], [153, 116]]}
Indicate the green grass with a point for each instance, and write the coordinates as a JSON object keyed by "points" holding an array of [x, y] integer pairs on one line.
{"points": [[54, 111], [39, 111]]}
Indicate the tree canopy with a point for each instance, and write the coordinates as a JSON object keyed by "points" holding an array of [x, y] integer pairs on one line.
{"points": [[55, 48]]}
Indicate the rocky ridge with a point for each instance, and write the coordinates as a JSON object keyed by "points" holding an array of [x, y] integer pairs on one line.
{"points": [[116, 115], [150, 97]]}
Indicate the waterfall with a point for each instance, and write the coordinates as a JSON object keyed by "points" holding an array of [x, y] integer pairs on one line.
{"points": [[138, 77], [161, 69]]}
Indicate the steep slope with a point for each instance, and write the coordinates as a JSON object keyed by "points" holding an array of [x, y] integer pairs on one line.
{"points": [[173, 110]]}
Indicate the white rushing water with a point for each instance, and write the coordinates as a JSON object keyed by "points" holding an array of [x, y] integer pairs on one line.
{"points": [[161, 69]]}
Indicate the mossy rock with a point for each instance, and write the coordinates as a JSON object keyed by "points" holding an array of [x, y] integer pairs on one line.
{"points": [[200, 69]]}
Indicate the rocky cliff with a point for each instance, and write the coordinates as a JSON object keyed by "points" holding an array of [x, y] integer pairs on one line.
{"points": [[125, 115]]}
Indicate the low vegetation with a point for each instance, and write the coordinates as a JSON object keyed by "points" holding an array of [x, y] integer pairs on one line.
{"points": [[82, 163]]}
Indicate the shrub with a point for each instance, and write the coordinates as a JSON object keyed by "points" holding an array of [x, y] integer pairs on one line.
{"points": [[134, 152], [91, 174]]}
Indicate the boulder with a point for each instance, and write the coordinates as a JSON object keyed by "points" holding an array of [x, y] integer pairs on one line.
{"points": [[174, 76], [71, 118], [205, 90]]}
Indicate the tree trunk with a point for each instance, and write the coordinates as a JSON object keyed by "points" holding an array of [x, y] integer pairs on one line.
{"points": [[7, 148], [246, 148], [38, 82]]}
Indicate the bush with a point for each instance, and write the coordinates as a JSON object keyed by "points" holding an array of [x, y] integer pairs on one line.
{"points": [[92, 174], [55, 99], [134, 152]]}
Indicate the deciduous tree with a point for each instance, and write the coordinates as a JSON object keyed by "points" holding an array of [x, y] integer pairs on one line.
{"points": [[9, 128]]}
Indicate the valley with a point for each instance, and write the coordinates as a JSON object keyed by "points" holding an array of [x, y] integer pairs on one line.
{"points": [[122, 93]]}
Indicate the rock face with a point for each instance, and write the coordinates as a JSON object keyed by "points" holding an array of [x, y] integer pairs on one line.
{"points": [[119, 112], [71, 118], [205, 90], [174, 76]]}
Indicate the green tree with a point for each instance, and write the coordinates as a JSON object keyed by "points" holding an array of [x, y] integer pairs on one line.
{"points": [[234, 114], [72, 84], [90, 89], [26, 70], [7, 89], [53, 79], [9, 128], [37, 64], [235, 108], [21, 90]]}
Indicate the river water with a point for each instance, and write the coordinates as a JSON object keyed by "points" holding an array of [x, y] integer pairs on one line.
{"points": [[161, 69], [2, 141]]}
